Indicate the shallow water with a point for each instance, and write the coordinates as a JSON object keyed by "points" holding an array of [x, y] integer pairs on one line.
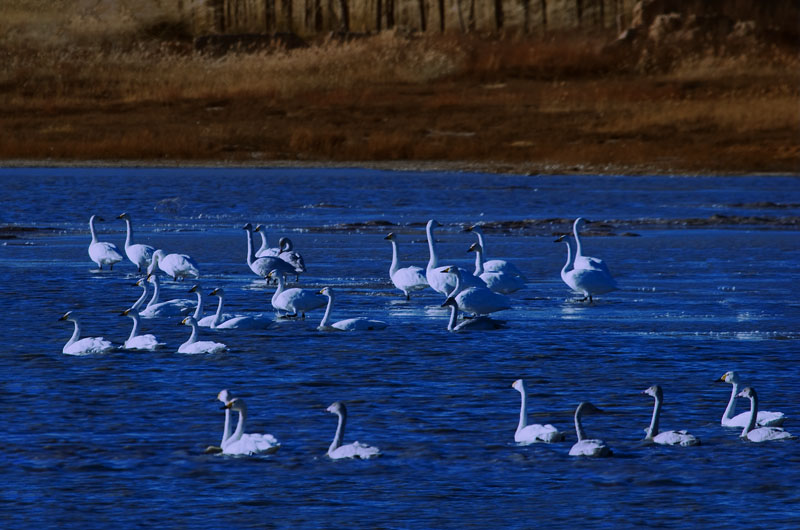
{"points": [[120, 438]]}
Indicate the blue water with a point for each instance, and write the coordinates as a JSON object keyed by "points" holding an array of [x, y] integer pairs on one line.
{"points": [[119, 439]]}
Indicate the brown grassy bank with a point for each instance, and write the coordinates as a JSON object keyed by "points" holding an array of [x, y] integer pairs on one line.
{"points": [[118, 86]]}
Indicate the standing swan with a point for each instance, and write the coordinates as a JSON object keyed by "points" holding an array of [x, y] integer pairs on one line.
{"points": [[440, 281], [585, 446], [102, 252], [760, 434], [241, 443], [262, 266], [194, 346], [136, 341], [139, 254], [526, 434], [589, 282], [353, 450], [666, 437], [350, 324], [179, 266], [497, 281], [495, 265], [481, 323], [765, 418], [407, 279], [294, 301], [476, 300], [78, 346], [581, 261]]}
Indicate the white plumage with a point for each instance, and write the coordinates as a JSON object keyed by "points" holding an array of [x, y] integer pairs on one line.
{"points": [[295, 301], [534, 432], [102, 252], [759, 434], [83, 346], [178, 266], [336, 450], [667, 437], [138, 254], [587, 446], [589, 282], [192, 345], [407, 279], [765, 418], [241, 443], [135, 341], [350, 324]]}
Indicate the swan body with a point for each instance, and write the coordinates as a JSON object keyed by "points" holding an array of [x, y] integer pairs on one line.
{"points": [[667, 437], [102, 252], [589, 282], [407, 279], [240, 443], [234, 321], [759, 434], [83, 346], [290, 256], [169, 308], [764, 418], [205, 322], [350, 324], [581, 261], [294, 301], [262, 266], [497, 281], [179, 266], [438, 280], [192, 345], [336, 450], [139, 342], [481, 323], [476, 300], [587, 446], [531, 433], [138, 254], [495, 265]]}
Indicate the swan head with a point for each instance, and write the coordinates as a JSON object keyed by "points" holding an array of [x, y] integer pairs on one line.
{"points": [[450, 301], [748, 392], [69, 316], [225, 395], [196, 288], [475, 228], [580, 222], [124, 215], [273, 273], [433, 223], [654, 391], [586, 407], [248, 227], [141, 282], [236, 404], [285, 244], [219, 291], [258, 228], [518, 385], [327, 291], [391, 236], [337, 407], [729, 377], [129, 312], [475, 247], [561, 238], [160, 253], [188, 321]]}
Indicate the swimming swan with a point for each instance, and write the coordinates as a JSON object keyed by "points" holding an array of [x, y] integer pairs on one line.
{"points": [[666, 437], [481, 323], [438, 280], [497, 281], [589, 282], [136, 341], [476, 300], [204, 322], [760, 434], [353, 450], [765, 418], [139, 254], [78, 346], [585, 446], [581, 261], [241, 443], [407, 279], [294, 301], [495, 265], [179, 266], [102, 252], [350, 324], [234, 321], [169, 308], [262, 266], [527, 434], [194, 346]]}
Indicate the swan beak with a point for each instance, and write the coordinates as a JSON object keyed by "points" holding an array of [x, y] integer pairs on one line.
{"points": [[560, 239], [212, 293], [446, 270], [469, 228], [390, 236], [473, 247], [63, 317], [720, 380], [121, 216], [125, 313], [194, 289], [183, 322]]}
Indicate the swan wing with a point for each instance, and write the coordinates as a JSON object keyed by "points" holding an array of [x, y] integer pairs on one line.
{"points": [[88, 346], [359, 324], [538, 433], [676, 438], [506, 267], [410, 278], [765, 418], [590, 448], [244, 322], [143, 342], [104, 253], [302, 300], [501, 282], [481, 301], [251, 444], [441, 282], [272, 252], [354, 450], [592, 281], [202, 346], [766, 434]]}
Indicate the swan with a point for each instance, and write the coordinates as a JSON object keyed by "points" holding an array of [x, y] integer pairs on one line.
{"points": [[589, 282], [241, 443], [350, 324], [497, 281], [204, 322], [139, 254], [78, 346], [294, 301], [194, 346], [265, 249], [141, 282], [476, 300], [225, 396], [179, 266], [581, 261], [290, 256], [170, 308], [438, 280], [262, 266], [102, 252], [481, 323], [136, 341], [495, 265], [585, 446], [666, 437], [526, 434], [759, 434], [765, 418], [353, 450], [407, 279], [234, 321]]}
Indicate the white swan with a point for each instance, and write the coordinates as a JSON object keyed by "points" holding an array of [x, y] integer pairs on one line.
{"points": [[292, 257], [234, 321], [353, 450], [581, 261], [141, 282], [194, 346], [666, 437], [102, 252], [765, 418], [587, 446], [481, 323], [295, 301], [438, 280], [136, 341], [497, 281], [225, 396], [476, 300], [204, 322], [527, 434], [265, 249], [589, 282], [78, 346], [139, 254], [350, 324], [169, 308], [241, 443], [759, 434], [407, 279], [179, 266], [262, 266], [495, 265]]}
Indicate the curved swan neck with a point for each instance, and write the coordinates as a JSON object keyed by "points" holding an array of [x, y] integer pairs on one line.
{"points": [[218, 314], [395, 261], [457, 289], [226, 429], [193, 336], [578, 427], [91, 229], [239, 426], [142, 298], [135, 330], [751, 423], [339, 436], [653, 429], [731, 408], [326, 318], [250, 247], [453, 317], [577, 239], [478, 262], [569, 259], [76, 334], [279, 289], [479, 233], [264, 244], [156, 291], [129, 236], [198, 312], [523, 409], [433, 261]]}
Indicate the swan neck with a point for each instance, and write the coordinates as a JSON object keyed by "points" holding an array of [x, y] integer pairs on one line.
{"points": [[226, 429], [250, 247], [433, 261], [193, 336], [577, 240], [76, 333], [453, 318], [198, 312], [395, 261], [459, 287], [129, 236], [135, 329], [91, 229], [218, 314], [279, 289], [156, 291], [326, 318], [478, 262], [339, 436], [751, 423], [142, 297], [729, 410], [569, 259], [239, 426], [578, 426], [523, 410], [264, 244], [653, 429]]}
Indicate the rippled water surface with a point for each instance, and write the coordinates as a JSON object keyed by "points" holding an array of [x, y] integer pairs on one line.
{"points": [[708, 269]]}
